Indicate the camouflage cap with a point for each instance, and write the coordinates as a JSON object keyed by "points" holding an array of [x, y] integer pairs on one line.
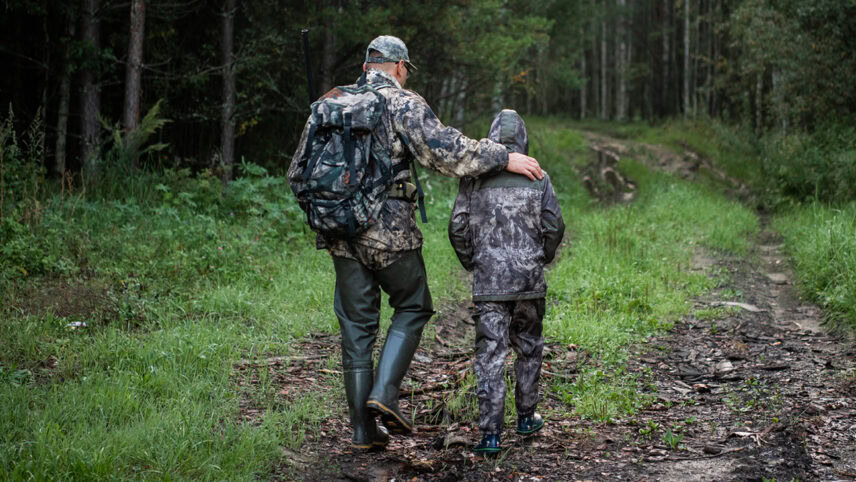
{"points": [[392, 49]]}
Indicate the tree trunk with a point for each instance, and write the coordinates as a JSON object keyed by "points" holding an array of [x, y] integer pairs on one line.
{"points": [[328, 58], [227, 136], [628, 60], [64, 98], [543, 84], [695, 58], [595, 72], [759, 111], [664, 85], [620, 55], [781, 110], [440, 105], [711, 54], [450, 98], [603, 79], [46, 86], [496, 101], [461, 104], [583, 84], [133, 71], [90, 91], [686, 58]]}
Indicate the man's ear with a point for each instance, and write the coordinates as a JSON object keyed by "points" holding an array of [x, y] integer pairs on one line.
{"points": [[364, 66]]}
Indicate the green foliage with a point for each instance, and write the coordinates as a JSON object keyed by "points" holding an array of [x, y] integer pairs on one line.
{"points": [[672, 439], [801, 167], [21, 170], [25, 247], [25, 251], [620, 279], [622, 274], [801, 45], [650, 429], [602, 396], [732, 148], [110, 175], [822, 242]]}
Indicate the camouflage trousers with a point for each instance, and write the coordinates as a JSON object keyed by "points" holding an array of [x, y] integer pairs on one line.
{"points": [[497, 323]]}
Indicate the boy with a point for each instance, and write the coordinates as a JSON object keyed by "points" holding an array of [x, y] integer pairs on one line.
{"points": [[504, 229]]}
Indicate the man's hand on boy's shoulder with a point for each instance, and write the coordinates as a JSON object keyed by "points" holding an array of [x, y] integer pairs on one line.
{"points": [[522, 164]]}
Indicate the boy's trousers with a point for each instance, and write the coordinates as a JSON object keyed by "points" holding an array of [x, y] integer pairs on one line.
{"points": [[497, 323]]}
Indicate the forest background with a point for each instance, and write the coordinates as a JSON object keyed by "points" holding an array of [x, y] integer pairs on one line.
{"points": [[230, 76]]}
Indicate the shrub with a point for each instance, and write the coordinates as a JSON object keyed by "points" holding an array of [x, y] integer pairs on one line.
{"points": [[820, 166]]}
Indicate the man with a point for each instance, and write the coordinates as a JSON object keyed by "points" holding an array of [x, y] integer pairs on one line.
{"points": [[388, 255]]}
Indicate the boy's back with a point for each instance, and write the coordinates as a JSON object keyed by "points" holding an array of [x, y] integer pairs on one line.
{"points": [[505, 227]]}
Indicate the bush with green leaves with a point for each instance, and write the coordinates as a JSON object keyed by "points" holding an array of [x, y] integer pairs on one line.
{"points": [[25, 251], [821, 166]]}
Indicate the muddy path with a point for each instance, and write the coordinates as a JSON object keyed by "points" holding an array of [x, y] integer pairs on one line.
{"points": [[757, 390]]}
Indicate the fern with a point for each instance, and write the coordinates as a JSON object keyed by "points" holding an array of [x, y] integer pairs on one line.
{"points": [[125, 149]]}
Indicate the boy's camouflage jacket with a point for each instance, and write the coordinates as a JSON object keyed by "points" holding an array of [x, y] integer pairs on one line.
{"points": [[504, 227], [410, 130]]}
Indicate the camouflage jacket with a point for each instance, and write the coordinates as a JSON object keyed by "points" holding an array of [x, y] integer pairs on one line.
{"points": [[410, 130], [504, 227]]}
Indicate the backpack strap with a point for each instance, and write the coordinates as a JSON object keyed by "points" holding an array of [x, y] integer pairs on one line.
{"points": [[415, 175], [349, 149], [387, 175]]}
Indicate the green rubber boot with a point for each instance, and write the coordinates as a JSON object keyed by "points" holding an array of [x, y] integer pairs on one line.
{"points": [[367, 435], [393, 364]]}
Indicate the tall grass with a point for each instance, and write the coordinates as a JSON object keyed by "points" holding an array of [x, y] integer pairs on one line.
{"points": [[822, 242], [624, 273]]}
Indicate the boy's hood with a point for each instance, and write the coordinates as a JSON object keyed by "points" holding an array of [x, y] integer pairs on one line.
{"points": [[509, 129]]}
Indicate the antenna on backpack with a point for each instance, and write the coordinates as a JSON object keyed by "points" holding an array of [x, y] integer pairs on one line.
{"points": [[305, 34]]}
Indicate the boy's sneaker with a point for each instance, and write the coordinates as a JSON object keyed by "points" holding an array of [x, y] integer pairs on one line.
{"points": [[490, 445], [529, 424]]}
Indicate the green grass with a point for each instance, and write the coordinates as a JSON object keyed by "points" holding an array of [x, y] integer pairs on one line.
{"points": [[732, 148], [624, 273], [821, 240], [820, 237], [187, 279]]}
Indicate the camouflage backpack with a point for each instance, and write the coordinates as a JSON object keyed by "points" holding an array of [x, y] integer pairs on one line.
{"points": [[346, 175]]}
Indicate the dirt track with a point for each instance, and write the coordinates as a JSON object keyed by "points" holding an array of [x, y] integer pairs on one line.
{"points": [[756, 395]]}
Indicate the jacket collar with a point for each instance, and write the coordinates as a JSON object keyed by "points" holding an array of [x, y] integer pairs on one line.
{"points": [[377, 78]]}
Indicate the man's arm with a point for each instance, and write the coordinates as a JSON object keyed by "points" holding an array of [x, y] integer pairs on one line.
{"points": [[442, 148], [459, 225]]}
